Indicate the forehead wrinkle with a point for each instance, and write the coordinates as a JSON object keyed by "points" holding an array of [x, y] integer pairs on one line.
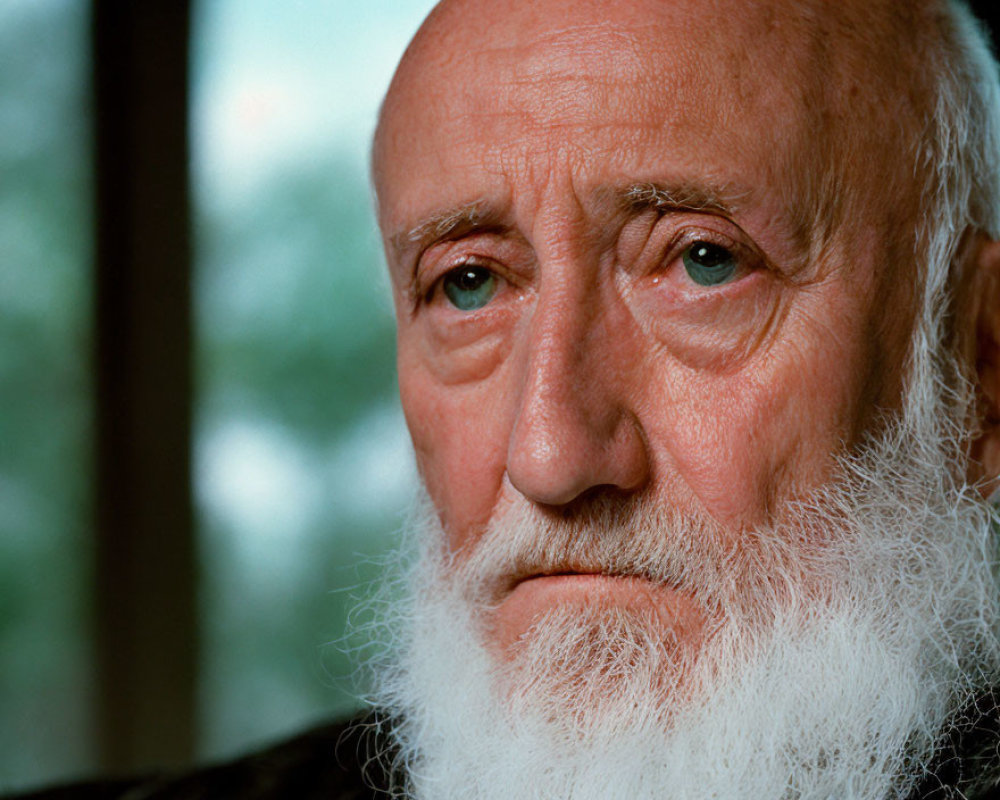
{"points": [[801, 66], [572, 101], [857, 81], [564, 79], [569, 51]]}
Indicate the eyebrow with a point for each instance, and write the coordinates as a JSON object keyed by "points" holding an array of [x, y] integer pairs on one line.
{"points": [[476, 215], [480, 215], [679, 197]]}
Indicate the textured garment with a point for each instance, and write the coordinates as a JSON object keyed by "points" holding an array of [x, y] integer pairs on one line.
{"points": [[338, 762]]}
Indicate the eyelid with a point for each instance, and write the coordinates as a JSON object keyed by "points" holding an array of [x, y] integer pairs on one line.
{"points": [[434, 288], [748, 256], [687, 236], [444, 256], [436, 262], [506, 257], [429, 291]]}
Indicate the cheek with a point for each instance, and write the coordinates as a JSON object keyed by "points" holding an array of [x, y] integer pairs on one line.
{"points": [[745, 442], [732, 445], [460, 439], [711, 331]]}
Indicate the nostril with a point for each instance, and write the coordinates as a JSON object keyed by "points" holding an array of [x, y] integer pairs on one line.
{"points": [[605, 498], [560, 461]]}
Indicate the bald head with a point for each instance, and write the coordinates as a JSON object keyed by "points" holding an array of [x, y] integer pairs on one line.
{"points": [[830, 91]]}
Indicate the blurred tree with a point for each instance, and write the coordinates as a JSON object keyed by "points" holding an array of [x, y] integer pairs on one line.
{"points": [[294, 310], [45, 681], [303, 460]]}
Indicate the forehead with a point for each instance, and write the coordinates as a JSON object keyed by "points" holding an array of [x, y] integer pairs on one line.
{"points": [[570, 98]]}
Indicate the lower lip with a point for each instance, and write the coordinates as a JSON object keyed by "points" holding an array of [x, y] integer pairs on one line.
{"points": [[533, 597], [587, 587]]}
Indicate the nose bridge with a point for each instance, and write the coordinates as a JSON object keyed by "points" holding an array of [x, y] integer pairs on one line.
{"points": [[574, 429], [563, 351], [561, 333]]}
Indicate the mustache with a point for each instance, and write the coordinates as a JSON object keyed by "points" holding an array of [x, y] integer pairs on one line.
{"points": [[731, 574], [616, 536]]}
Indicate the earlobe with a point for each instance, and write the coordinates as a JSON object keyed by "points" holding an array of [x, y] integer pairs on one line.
{"points": [[983, 305]]}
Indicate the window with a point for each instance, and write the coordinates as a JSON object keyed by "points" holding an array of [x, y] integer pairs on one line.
{"points": [[303, 462], [300, 458]]}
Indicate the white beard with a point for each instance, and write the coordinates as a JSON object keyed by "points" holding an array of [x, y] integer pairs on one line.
{"points": [[847, 636]]}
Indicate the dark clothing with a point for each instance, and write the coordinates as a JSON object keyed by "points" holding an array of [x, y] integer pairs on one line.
{"points": [[332, 762], [348, 761], [969, 763]]}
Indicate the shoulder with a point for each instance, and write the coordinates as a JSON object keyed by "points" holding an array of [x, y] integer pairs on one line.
{"points": [[343, 761]]}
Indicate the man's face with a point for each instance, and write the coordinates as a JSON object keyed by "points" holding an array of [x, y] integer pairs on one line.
{"points": [[622, 276]]}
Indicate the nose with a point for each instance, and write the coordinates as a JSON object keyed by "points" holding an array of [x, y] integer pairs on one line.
{"points": [[575, 428]]}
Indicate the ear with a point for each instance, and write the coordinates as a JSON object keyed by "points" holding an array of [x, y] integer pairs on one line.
{"points": [[982, 349]]}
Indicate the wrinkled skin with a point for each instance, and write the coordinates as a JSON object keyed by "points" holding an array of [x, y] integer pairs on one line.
{"points": [[599, 367]]}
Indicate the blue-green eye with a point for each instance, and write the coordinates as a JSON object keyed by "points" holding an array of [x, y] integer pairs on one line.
{"points": [[469, 287], [709, 264]]}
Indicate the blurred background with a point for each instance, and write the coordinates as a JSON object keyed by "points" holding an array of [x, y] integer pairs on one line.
{"points": [[202, 456]]}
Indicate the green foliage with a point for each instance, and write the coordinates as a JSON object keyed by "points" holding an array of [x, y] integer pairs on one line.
{"points": [[294, 314], [296, 337], [44, 357]]}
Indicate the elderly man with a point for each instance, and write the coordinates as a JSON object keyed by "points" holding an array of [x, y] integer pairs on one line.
{"points": [[697, 310], [698, 347]]}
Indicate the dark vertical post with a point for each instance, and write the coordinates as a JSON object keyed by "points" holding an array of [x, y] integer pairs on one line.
{"points": [[145, 569]]}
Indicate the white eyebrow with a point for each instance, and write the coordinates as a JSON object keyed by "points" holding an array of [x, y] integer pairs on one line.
{"points": [[680, 196], [442, 224]]}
